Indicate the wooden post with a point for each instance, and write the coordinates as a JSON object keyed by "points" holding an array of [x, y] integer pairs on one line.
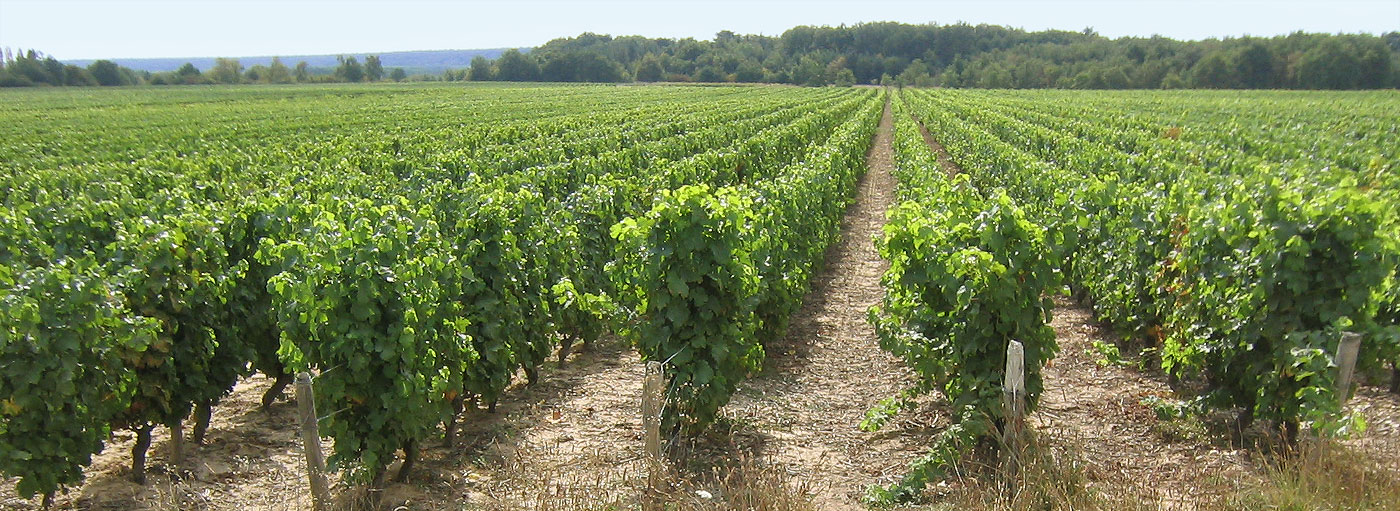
{"points": [[1346, 363], [1014, 408], [1346, 368], [652, 399], [311, 443], [177, 443]]}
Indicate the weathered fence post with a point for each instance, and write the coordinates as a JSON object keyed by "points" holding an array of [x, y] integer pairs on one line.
{"points": [[177, 443], [311, 443], [1014, 408], [1346, 368], [652, 399], [1346, 363]]}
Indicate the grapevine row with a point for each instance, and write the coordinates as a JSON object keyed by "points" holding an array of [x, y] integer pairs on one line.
{"points": [[1243, 276], [415, 273]]}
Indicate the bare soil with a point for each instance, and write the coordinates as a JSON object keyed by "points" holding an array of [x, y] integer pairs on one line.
{"points": [[803, 411], [251, 460], [1097, 407]]}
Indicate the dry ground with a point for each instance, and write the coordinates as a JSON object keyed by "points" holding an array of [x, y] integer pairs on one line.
{"points": [[802, 412], [1096, 407]]}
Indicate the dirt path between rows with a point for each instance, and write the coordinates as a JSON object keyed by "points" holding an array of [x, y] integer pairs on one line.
{"points": [[1095, 407], [795, 423], [803, 412]]}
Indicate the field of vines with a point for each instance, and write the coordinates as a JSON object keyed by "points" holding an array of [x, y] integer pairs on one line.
{"points": [[416, 248], [419, 248], [1234, 236]]}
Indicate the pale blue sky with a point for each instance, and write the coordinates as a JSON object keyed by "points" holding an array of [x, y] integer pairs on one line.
{"points": [[73, 29]]}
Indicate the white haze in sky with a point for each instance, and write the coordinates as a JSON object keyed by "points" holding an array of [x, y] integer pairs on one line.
{"points": [[72, 29]]}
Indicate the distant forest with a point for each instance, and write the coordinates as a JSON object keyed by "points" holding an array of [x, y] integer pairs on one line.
{"points": [[986, 56]]}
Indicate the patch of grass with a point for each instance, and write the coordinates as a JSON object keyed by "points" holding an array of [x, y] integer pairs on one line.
{"points": [[170, 495], [537, 478], [747, 484], [1184, 429], [1323, 475], [1053, 478]]}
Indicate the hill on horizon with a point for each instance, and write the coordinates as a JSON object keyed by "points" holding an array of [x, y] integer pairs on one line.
{"points": [[426, 61]]}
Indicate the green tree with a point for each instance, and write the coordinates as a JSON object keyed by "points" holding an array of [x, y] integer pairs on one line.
{"points": [[30, 69], [916, 74], [845, 78], [1329, 65], [649, 69], [809, 71], [24, 70], [1376, 61], [1090, 79], [189, 75], [749, 72], [54, 69], [833, 69], [1149, 75], [480, 70], [226, 71], [709, 74], [1213, 72], [256, 74], [349, 69], [1116, 78], [1255, 66], [74, 75], [374, 69], [106, 72], [581, 67], [514, 66], [302, 72], [277, 72], [397, 74], [1173, 81]]}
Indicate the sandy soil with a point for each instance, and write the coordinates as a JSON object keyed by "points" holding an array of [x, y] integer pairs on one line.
{"points": [[251, 460], [802, 412], [1098, 409]]}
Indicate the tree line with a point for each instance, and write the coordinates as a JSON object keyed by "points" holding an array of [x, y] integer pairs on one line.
{"points": [[963, 55], [887, 53], [33, 68]]}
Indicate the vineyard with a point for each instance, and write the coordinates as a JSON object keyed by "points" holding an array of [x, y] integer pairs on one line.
{"points": [[427, 252], [1232, 253]]}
